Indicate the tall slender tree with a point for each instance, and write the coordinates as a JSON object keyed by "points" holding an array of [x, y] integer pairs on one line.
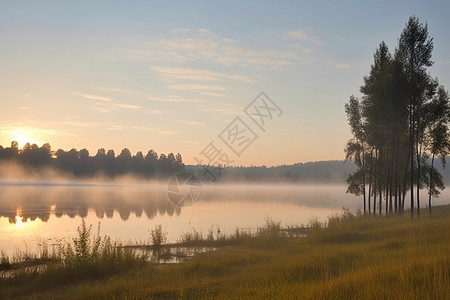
{"points": [[414, 53], [355, 148], [401, 120]]}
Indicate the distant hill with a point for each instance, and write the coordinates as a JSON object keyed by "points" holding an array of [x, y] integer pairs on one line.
{"points": [[333, 171]]}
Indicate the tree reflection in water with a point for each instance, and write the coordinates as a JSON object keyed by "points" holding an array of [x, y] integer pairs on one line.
{"points": [[32, 202]]}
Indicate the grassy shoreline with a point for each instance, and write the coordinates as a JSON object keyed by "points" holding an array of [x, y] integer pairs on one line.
{"points": [[355, 257]]}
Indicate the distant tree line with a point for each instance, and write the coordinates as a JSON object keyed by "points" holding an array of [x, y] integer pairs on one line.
{"points": [[81, 164], [400, 126], [323, 172]]}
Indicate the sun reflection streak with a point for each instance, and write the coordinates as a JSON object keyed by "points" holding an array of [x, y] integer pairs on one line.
{"points": [[19, 221]]}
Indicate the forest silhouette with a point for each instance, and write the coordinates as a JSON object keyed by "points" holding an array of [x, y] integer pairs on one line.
{"points": [[105, 163]]}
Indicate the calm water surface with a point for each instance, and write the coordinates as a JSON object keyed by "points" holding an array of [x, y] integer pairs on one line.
{"points": [[30, 214]]}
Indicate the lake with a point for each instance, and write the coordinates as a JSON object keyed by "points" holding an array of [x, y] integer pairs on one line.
{"points": [[32, 213]]}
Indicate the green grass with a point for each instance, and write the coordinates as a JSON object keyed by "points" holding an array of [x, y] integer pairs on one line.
{"points": [[355, 257]]}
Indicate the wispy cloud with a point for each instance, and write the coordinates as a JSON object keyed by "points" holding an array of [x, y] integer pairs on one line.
{"points": [[119, 127], [353, 64], [114, 90], [201, 45], [110, 107], [212, 94], [115, 127], [142, 128], [180, 30], [192, 122], [105, 104], [342, 66], [174, 74], [125, 105], [204, 31], [167, 131], [300, 35], [154, 112], [196, 87], [224, 109], [174, 99], [92, 97], [189, 142], [82, 124], [197, 80]]}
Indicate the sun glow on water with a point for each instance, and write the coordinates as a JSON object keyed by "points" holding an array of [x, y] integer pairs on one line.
{"points": [[19, 221]]}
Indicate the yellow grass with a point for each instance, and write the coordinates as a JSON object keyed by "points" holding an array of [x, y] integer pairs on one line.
{"points": [[356, 257]]}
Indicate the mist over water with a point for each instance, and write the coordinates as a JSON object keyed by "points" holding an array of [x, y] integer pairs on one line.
{"points": [[33, 212]]}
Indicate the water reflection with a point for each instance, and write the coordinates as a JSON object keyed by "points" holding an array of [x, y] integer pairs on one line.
{"points": [[29, 214], [22, 203]]}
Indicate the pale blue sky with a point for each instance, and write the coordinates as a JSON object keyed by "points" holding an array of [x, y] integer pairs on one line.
{"points": [[172, 75]]}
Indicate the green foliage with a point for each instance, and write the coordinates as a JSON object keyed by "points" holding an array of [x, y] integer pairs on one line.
{"points": [[346, 217], [90, 255], [314, 223], [84, 248], [192, 236], [158, 236], [270, 227]]}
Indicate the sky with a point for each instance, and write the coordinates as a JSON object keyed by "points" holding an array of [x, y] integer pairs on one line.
{"points": [[187, 76]]}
